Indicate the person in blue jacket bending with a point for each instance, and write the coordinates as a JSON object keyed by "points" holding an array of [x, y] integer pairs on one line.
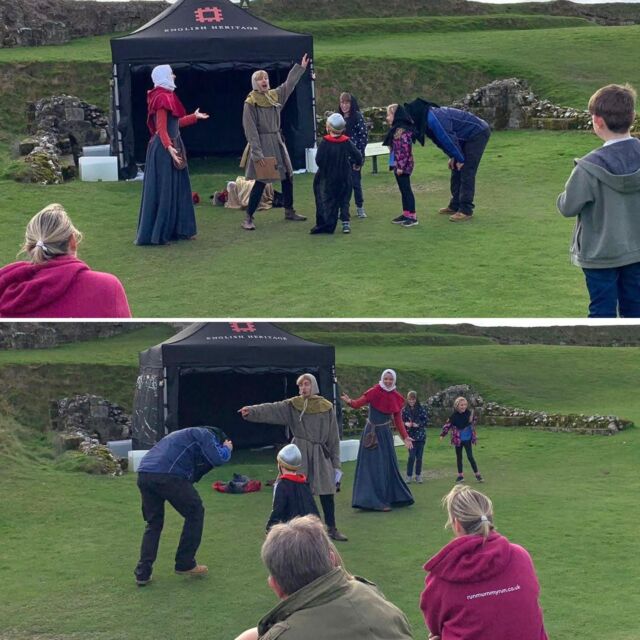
{"points": [[167, 473], [463, 137]]}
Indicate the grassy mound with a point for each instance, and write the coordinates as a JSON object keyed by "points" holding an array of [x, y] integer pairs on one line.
{"points": [[355, 27], [379, 60]]}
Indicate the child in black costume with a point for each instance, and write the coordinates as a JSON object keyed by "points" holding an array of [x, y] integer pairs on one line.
{"points": [[292, 495], [336, 157]]}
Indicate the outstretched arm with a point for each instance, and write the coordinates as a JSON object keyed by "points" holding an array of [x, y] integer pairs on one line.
{"points": [[269, 413], [287, 87], [354, 404]]}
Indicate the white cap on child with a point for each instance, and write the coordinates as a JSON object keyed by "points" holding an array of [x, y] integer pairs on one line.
{"points": [[336, 122], [290, 457]]}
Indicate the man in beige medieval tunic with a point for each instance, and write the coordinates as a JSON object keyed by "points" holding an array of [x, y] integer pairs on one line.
{"points": [[312, 421], [261, 122]]}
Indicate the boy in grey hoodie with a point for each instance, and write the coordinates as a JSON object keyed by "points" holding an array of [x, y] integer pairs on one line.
{"points": [[603, 191]]}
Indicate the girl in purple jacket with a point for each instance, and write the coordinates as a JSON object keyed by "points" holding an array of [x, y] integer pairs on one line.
{"points": [[400, 141]]}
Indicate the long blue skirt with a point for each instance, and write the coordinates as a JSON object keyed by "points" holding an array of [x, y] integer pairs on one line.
{"points": [[166, 210], [378, 483]]}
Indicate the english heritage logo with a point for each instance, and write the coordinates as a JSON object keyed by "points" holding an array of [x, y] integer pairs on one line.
{"points": [[242, 327], [207, 15]]}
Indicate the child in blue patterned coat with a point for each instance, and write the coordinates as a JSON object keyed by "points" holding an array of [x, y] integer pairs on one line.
{"points": [[358, 134], [415, 419]]}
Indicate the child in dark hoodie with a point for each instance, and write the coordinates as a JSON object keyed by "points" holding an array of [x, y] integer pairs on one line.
{"points": [[358, 134], [292, 495], [480, 586], [53, 282], [603, 191], [335, 158]]}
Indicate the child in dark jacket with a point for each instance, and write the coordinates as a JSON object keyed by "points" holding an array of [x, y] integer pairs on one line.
{"points": [[292, 495], [400, 140], [463, 137], [415, 418], [332, 184], [462, 424], [358, 134], [603, 193]]}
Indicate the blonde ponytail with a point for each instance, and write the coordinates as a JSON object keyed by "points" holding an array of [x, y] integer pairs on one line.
{"points": [[471, 509], [49, 234]]}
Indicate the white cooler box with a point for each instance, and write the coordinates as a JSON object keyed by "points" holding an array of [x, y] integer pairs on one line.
{"points": [[99, 168], [310, 156], [349, 450], [119, 448], [135, 456], [97, 150]]}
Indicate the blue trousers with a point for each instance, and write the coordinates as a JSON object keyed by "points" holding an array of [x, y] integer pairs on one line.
{"points": [[614, 291], [415, 455], [463, 182]]}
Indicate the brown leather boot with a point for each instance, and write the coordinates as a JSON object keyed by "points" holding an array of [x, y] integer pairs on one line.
{"points": [[198, 570], [290, 214], [334, 534]]}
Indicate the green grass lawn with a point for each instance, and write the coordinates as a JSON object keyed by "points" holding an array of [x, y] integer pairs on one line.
{"points": [[70, 540], [70, 543], [510, 261]]}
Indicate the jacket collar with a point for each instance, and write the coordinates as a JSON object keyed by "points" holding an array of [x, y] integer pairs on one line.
{"points": [[322, 590], [330, 138]]}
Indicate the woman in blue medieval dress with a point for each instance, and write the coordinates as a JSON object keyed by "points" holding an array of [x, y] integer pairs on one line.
{"points": [[166, 210], [378, 483]]}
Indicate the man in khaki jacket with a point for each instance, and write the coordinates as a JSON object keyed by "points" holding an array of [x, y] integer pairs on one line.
{"points": [[318, 598]]}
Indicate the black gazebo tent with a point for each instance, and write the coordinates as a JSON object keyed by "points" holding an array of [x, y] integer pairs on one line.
{"points": [[213, 48], [205, 373]]}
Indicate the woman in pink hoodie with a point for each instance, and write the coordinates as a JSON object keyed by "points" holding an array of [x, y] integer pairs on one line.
{"points": [[480, 586], [53, 283]]}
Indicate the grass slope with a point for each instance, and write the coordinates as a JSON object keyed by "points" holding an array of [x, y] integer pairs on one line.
{"points": [[444, 24], [380, 60], [553, 378], [510, 261]]}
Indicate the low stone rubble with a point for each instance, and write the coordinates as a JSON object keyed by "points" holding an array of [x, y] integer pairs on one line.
{"points": [[59, 127], [85, 423], [504, 104]]}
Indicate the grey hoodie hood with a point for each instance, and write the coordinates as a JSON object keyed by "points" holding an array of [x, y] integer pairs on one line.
{"points": [[616, 165]]}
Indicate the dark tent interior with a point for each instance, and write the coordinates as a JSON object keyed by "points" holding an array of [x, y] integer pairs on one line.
{"points": [[213, 398], [213, 62], [208, 371], [212, 91]]}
